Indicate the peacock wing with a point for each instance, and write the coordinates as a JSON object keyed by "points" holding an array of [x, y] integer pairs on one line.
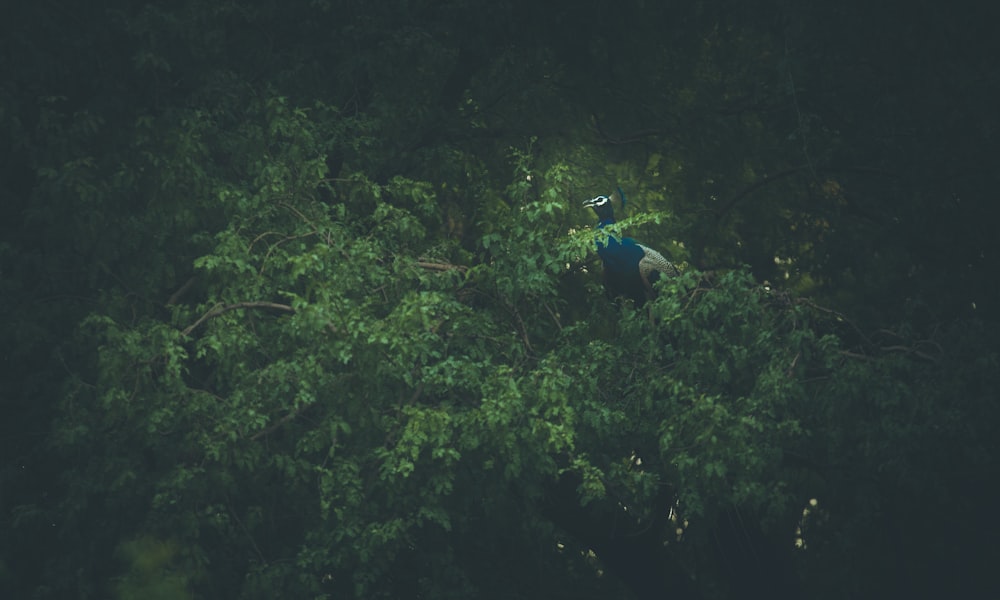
{"points": [[654, 261]]}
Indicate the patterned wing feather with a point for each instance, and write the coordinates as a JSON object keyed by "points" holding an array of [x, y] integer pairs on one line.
{"points": [[651, 265]]}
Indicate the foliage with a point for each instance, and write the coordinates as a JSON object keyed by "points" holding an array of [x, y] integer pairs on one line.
{"points": [[301, 302]]}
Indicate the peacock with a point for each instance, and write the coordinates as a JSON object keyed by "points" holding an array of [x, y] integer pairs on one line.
{"points": [[630, 269]]}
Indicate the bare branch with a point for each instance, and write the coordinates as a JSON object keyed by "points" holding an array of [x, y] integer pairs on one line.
{"points": [[630, 138], [909, 350], [552, 313], [439, 266], [253, 542], [180, 292], [839, 316], [218, 310], [856, 355], [767, 179]]}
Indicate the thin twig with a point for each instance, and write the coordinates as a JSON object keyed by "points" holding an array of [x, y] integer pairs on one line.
{"points": [[791, 369], [261, 236], [246, 531], [275, 245], [298, 213], [837, 314], [270, 429], [555, 317], [633, 137], [521, 327], [767, 179]]}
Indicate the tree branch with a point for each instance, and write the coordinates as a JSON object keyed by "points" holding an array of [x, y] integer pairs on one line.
{"points": [[732, 202], [631, 138], [218, 310], [839, 316], [180, 292], [909, 350], [440, 266], [288, 417], [756, 186]]}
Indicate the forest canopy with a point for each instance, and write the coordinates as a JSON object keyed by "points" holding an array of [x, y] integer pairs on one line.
{"points": [[300, 300]]}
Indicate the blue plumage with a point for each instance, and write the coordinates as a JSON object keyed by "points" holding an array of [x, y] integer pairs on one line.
{"points": [[630, 269]]}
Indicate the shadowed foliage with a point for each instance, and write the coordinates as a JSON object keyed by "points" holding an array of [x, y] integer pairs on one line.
{"points": [[300, 300]]}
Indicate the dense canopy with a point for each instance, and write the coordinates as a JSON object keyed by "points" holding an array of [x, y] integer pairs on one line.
{"points": [[299, 300]]}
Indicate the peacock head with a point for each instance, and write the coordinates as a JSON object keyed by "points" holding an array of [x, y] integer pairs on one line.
{"points": [[603, 205]]}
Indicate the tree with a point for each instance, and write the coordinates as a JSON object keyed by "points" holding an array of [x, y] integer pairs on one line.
{"points": [[301, 302]]}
